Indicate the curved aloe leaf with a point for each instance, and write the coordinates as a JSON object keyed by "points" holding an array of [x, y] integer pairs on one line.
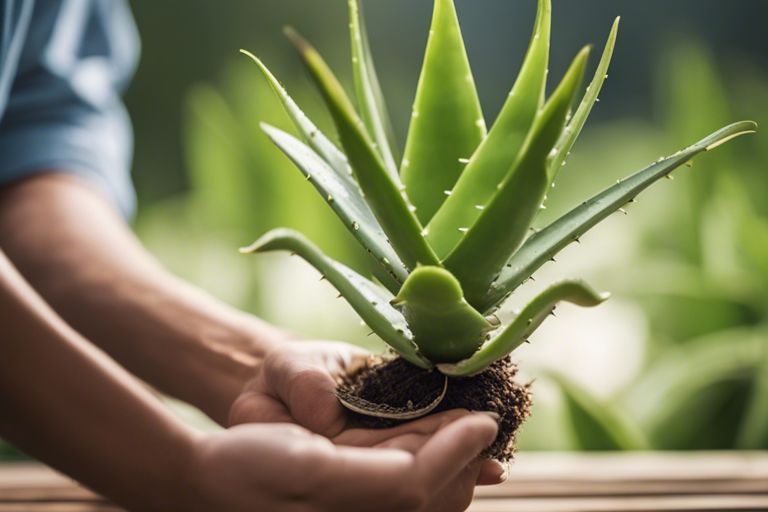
{"points": [[447, 123], [545, 244], [370, 301], [347, 202], [382, 193], [369, 96], [311, 134], [597, 426], [502, 226], [499, 151], [579, 119], [524, 325], [445, 327]]}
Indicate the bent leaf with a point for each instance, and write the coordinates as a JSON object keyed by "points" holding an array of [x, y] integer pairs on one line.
{"points": [[447, 122], [499, 151], [311, 134], [545, 244], [368, 90], [501, 228], [532, 316], [382, 193], [347, 202], [445, 327], [579, 119], [368, 300]]}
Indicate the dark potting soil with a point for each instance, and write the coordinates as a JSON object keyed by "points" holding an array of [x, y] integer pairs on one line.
{"points": [[398, 383]]}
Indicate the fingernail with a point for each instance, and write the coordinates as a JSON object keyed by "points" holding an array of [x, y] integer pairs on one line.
{"points": [[505, 473], [494, 416]]}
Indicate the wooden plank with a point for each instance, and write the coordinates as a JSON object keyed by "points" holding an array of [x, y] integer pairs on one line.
{"points": [[562, 475], [542, 482], [58, 507], [703, 503]]}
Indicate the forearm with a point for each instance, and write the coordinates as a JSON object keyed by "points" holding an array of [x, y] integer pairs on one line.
{"points": [[66, 403], [67, 241]]}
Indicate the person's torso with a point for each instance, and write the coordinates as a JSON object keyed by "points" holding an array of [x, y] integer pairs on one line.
{"points": [[71, 39]]}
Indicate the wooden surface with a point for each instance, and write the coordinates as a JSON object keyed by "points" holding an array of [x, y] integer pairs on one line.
{"points": [[537, 482]]}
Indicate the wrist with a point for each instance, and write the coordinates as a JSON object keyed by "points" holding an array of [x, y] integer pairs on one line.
{"points": [[171, 483]]}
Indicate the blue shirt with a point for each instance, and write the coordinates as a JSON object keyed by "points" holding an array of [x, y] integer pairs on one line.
{"points": [[63, 67]]}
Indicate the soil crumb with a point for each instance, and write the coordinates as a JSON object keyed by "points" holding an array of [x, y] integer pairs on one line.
{"points": [[397, 383]]}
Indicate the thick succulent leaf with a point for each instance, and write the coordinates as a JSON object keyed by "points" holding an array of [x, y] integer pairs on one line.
{"points": [[314, 137], [383, 195], [445, 327], [369, 96], [499, 151], [579, 119], [503, 224], [595, 425], [529, 319], [369, 300], [347, 202], [545, 244], [447, 122]]}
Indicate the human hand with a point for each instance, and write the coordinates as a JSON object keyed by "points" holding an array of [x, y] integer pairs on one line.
{"points": [[426, 465], [296, 384]]}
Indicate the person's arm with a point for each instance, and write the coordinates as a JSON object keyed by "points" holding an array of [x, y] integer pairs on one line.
{"points": [[76, 251], [65, 402]]}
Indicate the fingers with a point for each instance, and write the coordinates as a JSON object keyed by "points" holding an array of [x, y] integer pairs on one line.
{"points": [[458, 494], [423, 427], [308, 392], [492, 472], [453, 448], [254, 407], [441, 475]]}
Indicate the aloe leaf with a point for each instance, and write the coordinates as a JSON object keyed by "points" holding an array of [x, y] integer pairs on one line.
{"points": [[369, 300], [311, 134], [531, 317], [382, 193], [595, 425], [447, 122], [579, 119], [545, 244], [503, 224], [345, 200], [498, 152], [369, 96], [445, 327]]}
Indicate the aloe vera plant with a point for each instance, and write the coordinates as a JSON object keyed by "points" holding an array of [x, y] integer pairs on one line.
{"points": [[449, 228]]}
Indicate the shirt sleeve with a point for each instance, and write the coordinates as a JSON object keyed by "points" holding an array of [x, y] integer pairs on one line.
{"points": [[65, 111]]}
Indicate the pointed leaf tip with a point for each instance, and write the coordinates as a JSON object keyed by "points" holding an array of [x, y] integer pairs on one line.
{"points": [[447, 123], [382, 192], [547, 242], [497, 153], [480, 255], [370, 98], [573, 130]]}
